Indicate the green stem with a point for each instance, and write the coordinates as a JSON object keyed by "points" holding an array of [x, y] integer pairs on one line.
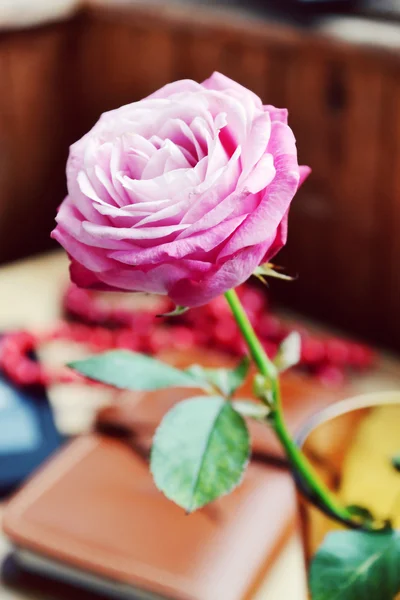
{"points": [[276, 418], [265, 365]]}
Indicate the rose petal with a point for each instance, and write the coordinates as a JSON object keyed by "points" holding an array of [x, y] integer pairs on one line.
{"points": [[195, 246], [157, 280], [92, 258], [180, 133], [204, 212], [86, 278], [71, 221], [262, 223], [183, 193], [196, 292], [261, 176], [304, 173], [256, 144], [279, 241], [103, 232], [220, 82], [167, 158], [277, 114], [177, 87]]}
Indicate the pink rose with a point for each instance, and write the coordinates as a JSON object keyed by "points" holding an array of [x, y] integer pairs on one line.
{"points": [[184, 193]]}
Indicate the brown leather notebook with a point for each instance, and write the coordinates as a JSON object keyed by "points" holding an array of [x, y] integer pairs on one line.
{"points": [[93, 516]]}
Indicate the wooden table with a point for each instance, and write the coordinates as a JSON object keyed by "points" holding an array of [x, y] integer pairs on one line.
{"points": [[30, 294]]}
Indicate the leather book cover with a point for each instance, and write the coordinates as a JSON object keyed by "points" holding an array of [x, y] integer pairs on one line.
{"points": [[95, 508]]}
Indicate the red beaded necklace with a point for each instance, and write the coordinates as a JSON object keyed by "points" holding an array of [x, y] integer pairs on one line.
{"points": [[101, 325]]}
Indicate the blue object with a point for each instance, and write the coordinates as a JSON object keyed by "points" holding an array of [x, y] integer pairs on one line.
{"points": [[28, 434]]}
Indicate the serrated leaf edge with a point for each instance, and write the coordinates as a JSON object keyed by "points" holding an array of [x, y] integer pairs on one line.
{"points": [[233, 486]]}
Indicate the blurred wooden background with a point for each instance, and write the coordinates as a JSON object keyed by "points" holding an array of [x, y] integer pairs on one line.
{"points": [[344, 103]]}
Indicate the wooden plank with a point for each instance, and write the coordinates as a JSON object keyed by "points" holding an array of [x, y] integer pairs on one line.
{"points": [[122, 61], [202, 55], [360, 126], [308, 252], [386, 292], [333, 221], [34, 64], [6, 155]]}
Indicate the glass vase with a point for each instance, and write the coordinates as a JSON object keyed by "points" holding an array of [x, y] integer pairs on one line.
{"points": [[352, 445]]}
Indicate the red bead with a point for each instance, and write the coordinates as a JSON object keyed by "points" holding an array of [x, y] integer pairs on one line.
{"points": [[240, 347], [25, 340], [10, 347], [62, 331], [269, 327], [218, 307], [159, 339], [126, 339], [331, 376], [79, 333], [101, 339], [27, 372], [209, 326], [337, 352], [182, 338], [361, 356], [270, 348], [312, 351], [253, 300], [203, 337], [225, 331], [10, 360]]}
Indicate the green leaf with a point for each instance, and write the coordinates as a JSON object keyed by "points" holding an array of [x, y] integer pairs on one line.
{"points": [[251, 409], [262, 388], [356, 565], [133, 371], [361, 514], [270, 270], [289, 352], [226, 381], [200, 451], [396, 462], [178, 310]]}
